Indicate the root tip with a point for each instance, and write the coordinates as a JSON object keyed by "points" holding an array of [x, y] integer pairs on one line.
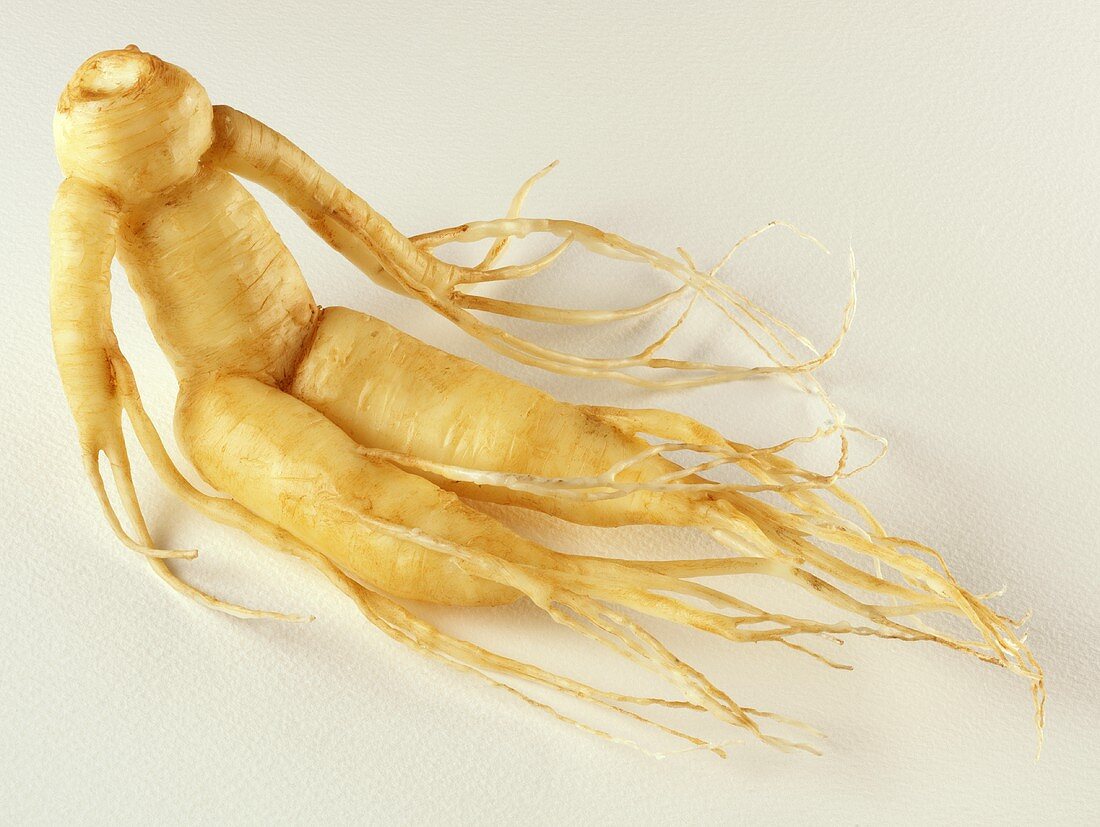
{"points": [[297, 618]]}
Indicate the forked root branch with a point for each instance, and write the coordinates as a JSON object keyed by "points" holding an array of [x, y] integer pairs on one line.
{"points": [[557, 593], [786, 352], [589, 595], [804, 544]]}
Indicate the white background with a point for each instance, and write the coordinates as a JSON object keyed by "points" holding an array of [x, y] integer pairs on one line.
{"points": [[952, 145]]}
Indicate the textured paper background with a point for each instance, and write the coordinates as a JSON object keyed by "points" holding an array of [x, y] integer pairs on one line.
{"points": [[953, 145]]}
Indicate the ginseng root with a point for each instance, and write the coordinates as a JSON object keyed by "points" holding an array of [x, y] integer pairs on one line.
{"points": [[334, 437]]}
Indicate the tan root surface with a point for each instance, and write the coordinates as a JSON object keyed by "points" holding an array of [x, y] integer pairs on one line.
{"points": [[588, 594], [151, 168]]}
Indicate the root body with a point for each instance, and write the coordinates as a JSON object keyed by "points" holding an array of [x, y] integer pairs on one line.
{"points": [[347, 443]]}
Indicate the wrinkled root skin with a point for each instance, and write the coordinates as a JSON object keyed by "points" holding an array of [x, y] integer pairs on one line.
{"points": [[390, 391], [359, 379], [287, 464], [354, 447]]}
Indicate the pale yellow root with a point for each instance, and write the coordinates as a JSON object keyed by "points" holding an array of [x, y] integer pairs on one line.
{"points": [[130, 129], [454, 304], [789, 541], [581, 593], [372, 382], [599, 622], [251, 149], [774, 338], [133, 508]]}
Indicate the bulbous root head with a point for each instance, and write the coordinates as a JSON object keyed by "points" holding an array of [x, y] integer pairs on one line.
{"points": [[132, 124]]}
